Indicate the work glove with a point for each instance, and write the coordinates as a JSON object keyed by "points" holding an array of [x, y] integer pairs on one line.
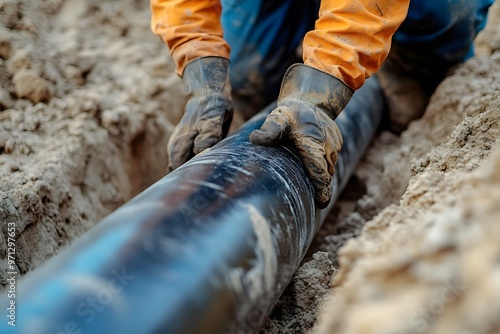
{"points": [[208, 112], [308, 103]]}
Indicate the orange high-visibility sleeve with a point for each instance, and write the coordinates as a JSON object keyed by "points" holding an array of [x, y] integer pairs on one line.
{"points": [[352, 38], [190, 28]]}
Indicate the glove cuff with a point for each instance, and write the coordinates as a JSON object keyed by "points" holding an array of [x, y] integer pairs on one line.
{"points": [[207, 75], [310, 85]]}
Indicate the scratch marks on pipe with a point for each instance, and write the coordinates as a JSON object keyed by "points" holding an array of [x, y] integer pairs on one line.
{"points": [[261, 278], [211, 185], [267, 253]]}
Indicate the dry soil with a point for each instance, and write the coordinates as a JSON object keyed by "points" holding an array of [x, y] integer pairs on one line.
{"points": [[88, 99]]}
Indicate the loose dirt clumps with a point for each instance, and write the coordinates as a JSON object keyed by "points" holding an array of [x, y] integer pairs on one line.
{"points": [[437, 185], [308, 290], [430, 264], [421, 173], [88, 100], [31, 86]]}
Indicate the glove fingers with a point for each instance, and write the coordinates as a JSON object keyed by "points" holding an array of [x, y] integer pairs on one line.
{"points": [[209, 134], [333, 146], [180, 147], [274, 130], [313, 156]]}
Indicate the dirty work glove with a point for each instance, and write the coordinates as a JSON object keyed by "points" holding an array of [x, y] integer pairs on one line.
{"points": [[208, 112], [308, 103]]}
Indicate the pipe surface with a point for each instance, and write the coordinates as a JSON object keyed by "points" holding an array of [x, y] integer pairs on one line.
{"points": [[207, 249]]}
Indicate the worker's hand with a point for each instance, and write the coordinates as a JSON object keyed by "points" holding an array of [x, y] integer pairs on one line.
{"points": [[208, 112], [309, 101]]}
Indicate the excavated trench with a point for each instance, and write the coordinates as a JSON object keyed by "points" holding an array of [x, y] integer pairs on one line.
{"points": [[88, 102], [88, 99]]}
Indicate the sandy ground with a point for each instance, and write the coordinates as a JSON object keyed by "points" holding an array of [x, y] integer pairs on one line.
{"points": [[88, 99], [395, 215]]}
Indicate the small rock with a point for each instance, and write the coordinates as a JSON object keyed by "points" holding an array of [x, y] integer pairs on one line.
{"points": [[5, 99], [73, 73], [5, 47], [19, 60], [9, 146], [31, 86], [10, 13], [27, 25]]}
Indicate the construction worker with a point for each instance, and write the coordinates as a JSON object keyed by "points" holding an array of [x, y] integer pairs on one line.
{"points": [[341, 47]]}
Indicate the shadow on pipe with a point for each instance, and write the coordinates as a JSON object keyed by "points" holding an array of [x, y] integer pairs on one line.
{"points": [[207, 249]]}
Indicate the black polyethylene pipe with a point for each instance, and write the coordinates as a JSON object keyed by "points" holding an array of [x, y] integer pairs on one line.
{"points": [[207, 249]]}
